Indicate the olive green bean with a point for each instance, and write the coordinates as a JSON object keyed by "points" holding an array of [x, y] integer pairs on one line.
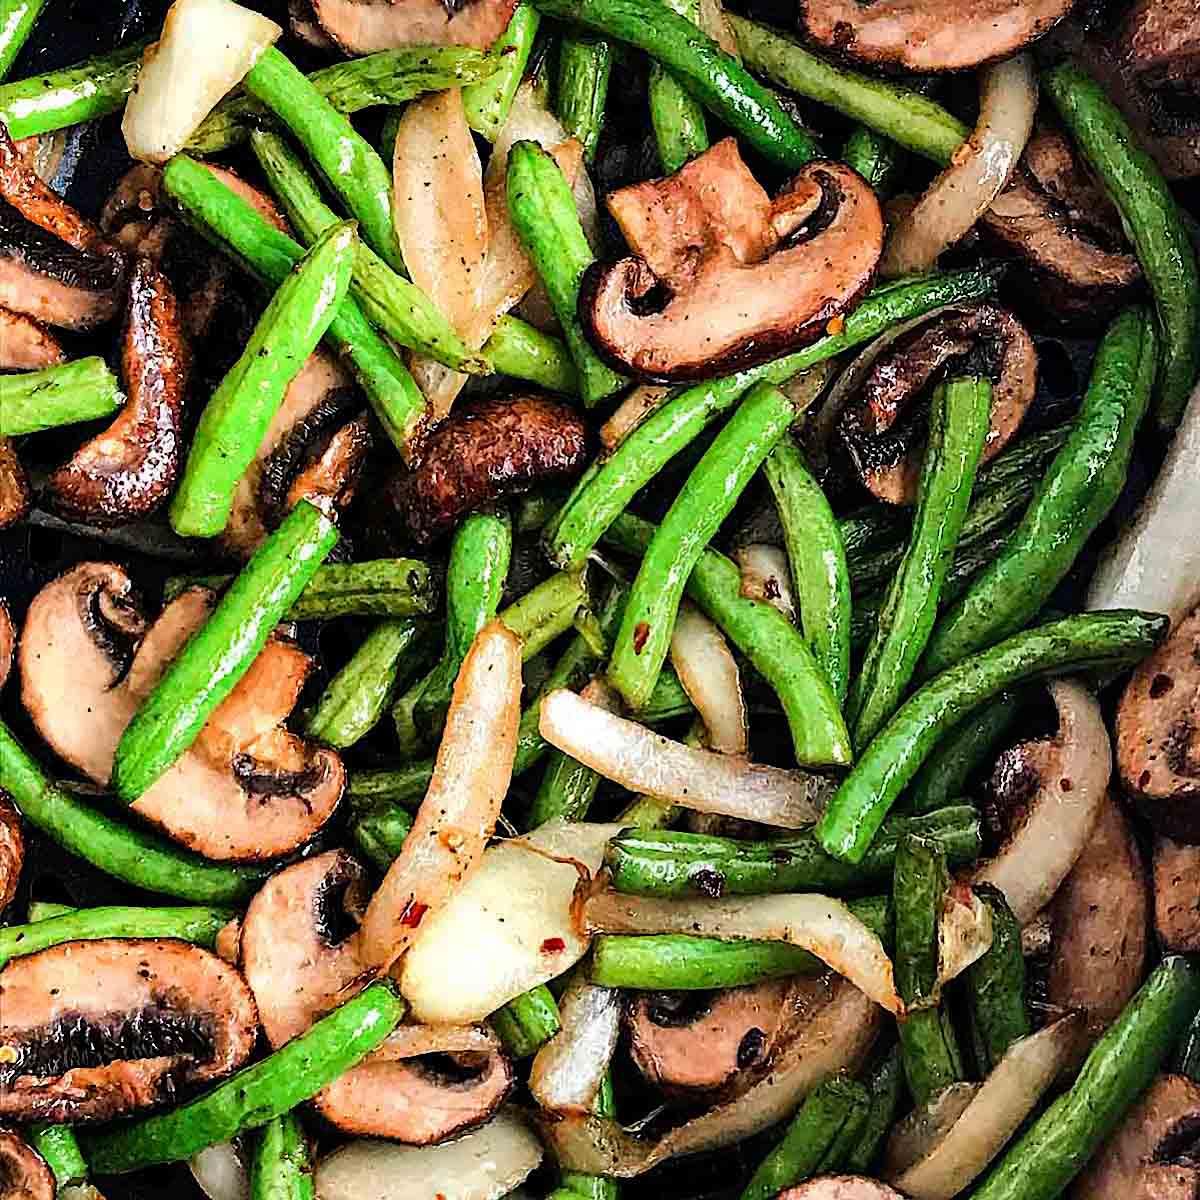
{"points": [[487, 104], [379, 832], [545, 612], [17, 19], [876, 158], [83, 390], [886, 1085], [1186, 1060], [519, 350], [527, 1022], [281, 1168], [995, 987], [44, 910], [678, 120], [584, 68]]}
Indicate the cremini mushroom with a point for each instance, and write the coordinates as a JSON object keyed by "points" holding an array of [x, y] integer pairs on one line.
{"points": [[722, 276], [1177, 895], [12, 850], [25, 345], [361, 26], [840, 1187], [24, 1173], [15, 492]]}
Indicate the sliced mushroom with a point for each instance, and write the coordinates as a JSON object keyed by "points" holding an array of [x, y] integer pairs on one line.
{"points": [[8, 641], [840, 1187], [1153, 1154], [722, 277], [12, 850], [699, 1041], [305, 26], [483, 452], [885, 431], [129, 470], [1177, 895], [1157, 722], [100, 1029], [248, 789], [15, 493], [362, 26], [24, 1173], [914, 35], [25, 345]]}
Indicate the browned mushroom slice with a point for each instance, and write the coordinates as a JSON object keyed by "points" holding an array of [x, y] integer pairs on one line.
{"points": [[128, 471], [840, 1187], [15, 493], [248, 789], [362, 26], [699, 1041], [306, 27], [12, 850], [915, 35], [24, 1174], [25, 345], [100, 1029], [8, 641], [483, 452], [765, 276], [1153, 1153], [885, 431], [1177, 895]]}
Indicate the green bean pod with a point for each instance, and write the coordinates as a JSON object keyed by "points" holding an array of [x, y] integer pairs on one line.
{"points": [[1186, 1060], [58, 1145], [545, 612], [678, 120], [487, 103], [527, 1022], [520, 351], [876, 158], [595, 1187], [584, 68], [65, 394], [17, 19], [886, 1084], [281, 1168], [995, 987], [45, 910], [379, 832]]}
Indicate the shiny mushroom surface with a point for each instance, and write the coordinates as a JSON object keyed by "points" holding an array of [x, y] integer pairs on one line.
{"points": [[363, 26], [24, 1174]]}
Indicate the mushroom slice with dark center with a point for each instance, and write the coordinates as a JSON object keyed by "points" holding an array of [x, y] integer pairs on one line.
{"points": [[25, 345], [128, 471], [1157, 721], [305, 26], [247, 789], [24, 1174], [885, 431], [97, 1030], [362, 26], [12, 850], [1177, 895], [724, 278], [482, 453], [914, 35], [700, 1041]]}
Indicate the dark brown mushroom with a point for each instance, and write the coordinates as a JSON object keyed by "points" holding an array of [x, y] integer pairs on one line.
{"points": [[363, 26], [8, 641], [129, 470], [304, 25], [15, 492], [721, 276], [1177, 895], [1157, 722], [1155, 1153], [247, 789], [24, 1173], [884, 430], [25, 345], [12, 850], [97, 1030], [840, 1187], [699, 1041], [481, 453], [914, 35]]}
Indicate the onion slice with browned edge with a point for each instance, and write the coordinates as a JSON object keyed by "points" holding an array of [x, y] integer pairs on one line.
{"points": [[964, 933], [220, 1173], [1008, 1095], [709, 674], [412, 1041], [568, 1070], [766, 576], [470, 779], [642, 402], [978, 173], [1074, 769], [835, 1035], [646, 762], [819, 924]]}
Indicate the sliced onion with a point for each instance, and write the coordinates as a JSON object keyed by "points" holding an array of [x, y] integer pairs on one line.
{"points": [[206, 48], [643, 401], [458, 815], [220, 1173], [837, 1032], [995, 1112], [977, 174], [964, 933], [644, 761], [1155, 564], [819, 924], [511, 926], [709, 674], [924, 1127], [767, 576], [1039, 855], [485, 1164], [568, 1070]]}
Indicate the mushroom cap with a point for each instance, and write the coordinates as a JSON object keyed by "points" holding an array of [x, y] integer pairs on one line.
{"points": [[24, 1174], [840, 1187], [25, 345], [363, 26], [12, 850], [15, 494]]}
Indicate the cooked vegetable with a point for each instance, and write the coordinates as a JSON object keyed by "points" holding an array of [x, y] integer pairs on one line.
{"points": [[281, 1168], [58, 1145], [581, 93], [886, 1083], [527, 1022], [709, 674], [488, 102], [17, 19], [679, 127], [82, 390], [519, 350]]}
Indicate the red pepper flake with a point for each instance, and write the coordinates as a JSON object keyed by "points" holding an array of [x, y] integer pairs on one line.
{"points": [[553, 945], [412, 913], [961, 893], [640, 633]]}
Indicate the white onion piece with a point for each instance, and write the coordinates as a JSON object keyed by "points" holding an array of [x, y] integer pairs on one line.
{"points": [[511, 926], [964, 933], [709, 674], [484, 1164], [643, 401], [1008, 1095], [205, 49], [977, 174], [819, 924], [914, 1136], [766, 576], [220, 1173], [459, 811], [568, 1070], [643, 761], [1075, 770], [1155, 564]]}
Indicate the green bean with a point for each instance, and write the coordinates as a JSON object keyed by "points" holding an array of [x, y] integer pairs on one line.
{"points": [[678, 119], [817, 559], [1043, 1161], [71, 95], [237, 415], [405, 785], [393, 304], [389, 77], [527, 1022], [1186, 1060], [17, 19], [876, 158], [281, 1168], [567, 790], [595, 1187], [389, 129], [886, 1085], [519, 350], [958, 424], [1075, 495], [902, 114], [713, 77], [703, 503], [58, 1145], [679, 864], [1152, 220], [209, 666], [254, 1095], [834, 1112], [348, 163], [605, 491], [44, 910], [545, 612], [1108, 639], [995, 987], [65, 394], [487, 104], [128, 853], [584, 67], [237, 228], [198, 925], [379, 832], [542, 209]]}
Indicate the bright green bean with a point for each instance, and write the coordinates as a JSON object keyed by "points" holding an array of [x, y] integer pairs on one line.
{"points": [[876, 158], [679, 127], [58, 1145], [584, 67], [44, 910], [488, 103], [17, 19], [281, 1168], [527, 1022], [520, 351], [66, 394], [545, 612]]}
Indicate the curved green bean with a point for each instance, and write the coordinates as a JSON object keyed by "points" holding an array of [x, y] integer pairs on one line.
{"points": [[886, 1085], [281, 1168], [678, 120], [519, 350], [17, 19], [487, 103], [995, 987], [581, 94], [65, 394]]}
